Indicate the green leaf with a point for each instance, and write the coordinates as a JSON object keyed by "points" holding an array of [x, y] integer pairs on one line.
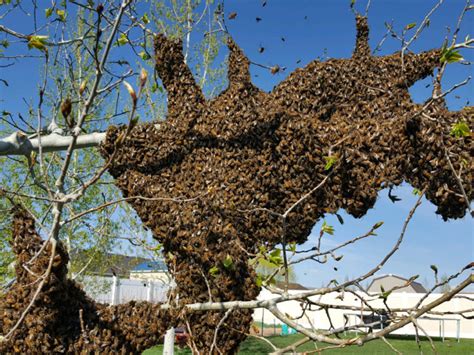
{"points": [[292, 247], [275, 257], [353, 3], [378, 225], [330, 161], [228, 262], [156, 248], [88, 117], [265, 281], [410, 26], [434, 268], [276, 252], [213, 271], [385, 294], [48, 12], [326, 228], [144, 55], [450, 55], [38, 42], [4, 43], [259, 280], [61, 15], [416, 192], [122, 40], [134, 121], [460, 129], [145, 19], [155, 87]]}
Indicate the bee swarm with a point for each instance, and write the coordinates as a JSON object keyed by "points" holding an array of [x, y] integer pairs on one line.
{"points": [[63, 319]]}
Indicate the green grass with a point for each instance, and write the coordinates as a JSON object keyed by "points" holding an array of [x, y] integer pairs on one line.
{"points": [[404, 344]]}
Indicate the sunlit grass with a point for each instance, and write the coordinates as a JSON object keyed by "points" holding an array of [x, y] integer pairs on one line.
{"points": [[404, 344]]}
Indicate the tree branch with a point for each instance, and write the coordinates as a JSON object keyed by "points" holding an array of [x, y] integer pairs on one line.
{"points": [[19, 144]]}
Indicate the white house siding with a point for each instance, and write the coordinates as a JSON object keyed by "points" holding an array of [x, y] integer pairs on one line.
{"points": [[396, 300], [161, 277]]}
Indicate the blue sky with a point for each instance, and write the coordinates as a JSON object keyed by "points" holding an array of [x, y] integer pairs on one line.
{"points": [[329, 31]]}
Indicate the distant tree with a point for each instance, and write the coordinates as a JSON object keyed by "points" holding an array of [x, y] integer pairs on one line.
{"points": [[444, 281]]}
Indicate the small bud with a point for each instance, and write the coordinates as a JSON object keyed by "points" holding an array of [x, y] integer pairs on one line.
{"points": [[21, 137], [131, 92], [82, 87], [133, 122], [377, 225], [143, 77], [100, 8], [66, 107]]}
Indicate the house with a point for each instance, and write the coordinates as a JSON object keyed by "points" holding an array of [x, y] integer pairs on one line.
{"points": [[395, 283], [154, 270], [120, 278], [106, 264], [104, 267]]}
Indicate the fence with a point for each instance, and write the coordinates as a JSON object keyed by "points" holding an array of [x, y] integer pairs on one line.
{"points": [[449, 326], [116, 291]]}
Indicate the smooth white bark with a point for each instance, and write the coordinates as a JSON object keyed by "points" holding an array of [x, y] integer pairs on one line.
{"points": [[19, 144]]}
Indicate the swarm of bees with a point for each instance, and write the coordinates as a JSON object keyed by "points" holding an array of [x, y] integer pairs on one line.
{"points": [[229, 167], [63, 319]]}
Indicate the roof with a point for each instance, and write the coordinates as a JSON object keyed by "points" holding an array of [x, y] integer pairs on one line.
{"points": [[291, 286], [417, 287], [150, 265]]}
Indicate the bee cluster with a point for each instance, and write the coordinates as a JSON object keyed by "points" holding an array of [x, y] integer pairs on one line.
{"points": [[62, 318]]}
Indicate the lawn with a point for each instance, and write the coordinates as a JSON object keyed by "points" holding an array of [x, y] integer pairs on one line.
{"points": [[406, 345]]}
